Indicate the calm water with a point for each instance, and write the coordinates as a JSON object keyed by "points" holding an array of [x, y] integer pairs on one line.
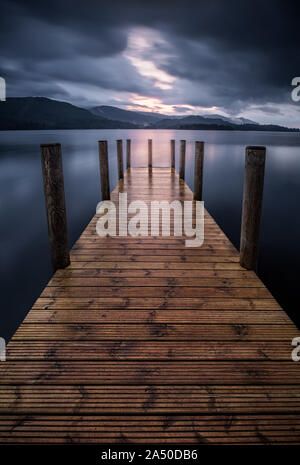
{"points": [[25, 260]]}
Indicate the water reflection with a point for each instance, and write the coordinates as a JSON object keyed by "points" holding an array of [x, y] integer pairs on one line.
{"points": [[25, 260]]}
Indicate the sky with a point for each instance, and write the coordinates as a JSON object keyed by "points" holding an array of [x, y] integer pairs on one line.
{"points": [[176, 57]]}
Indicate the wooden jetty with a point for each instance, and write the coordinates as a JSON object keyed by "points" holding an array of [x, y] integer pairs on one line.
{"points": [[145, 340]]}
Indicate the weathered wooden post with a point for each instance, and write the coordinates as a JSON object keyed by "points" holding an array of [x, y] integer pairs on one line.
{"points": [[128, 154], [104, 170], [173, 154], [182, 159], [198, 173], [55, 204], [150, 154], [120, 158], [252, 205]]}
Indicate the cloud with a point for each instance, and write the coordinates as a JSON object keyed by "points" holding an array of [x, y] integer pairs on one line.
{"points": [[238, 57], [143, 49], [269, 109]]}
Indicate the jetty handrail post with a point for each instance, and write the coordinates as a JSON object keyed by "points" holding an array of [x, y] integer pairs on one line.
{"points": [[252, 206], [55, 205], [120, 158], [198, 171], [150, 154], [172, 154], [104, 169], [182, 159], [128, 154]]}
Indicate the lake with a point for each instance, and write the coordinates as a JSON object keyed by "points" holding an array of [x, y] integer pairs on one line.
{"points": [[25, 257]]}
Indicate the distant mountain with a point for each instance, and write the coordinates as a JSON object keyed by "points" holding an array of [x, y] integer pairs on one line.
{"points": [[230, 120], [202, 123], [127, 116], [193, 120], [197, 122], [206, 120], [44, 113], [154, 119]]}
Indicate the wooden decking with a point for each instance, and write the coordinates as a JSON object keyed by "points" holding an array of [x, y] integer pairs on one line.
{"points": [[145, 340]]}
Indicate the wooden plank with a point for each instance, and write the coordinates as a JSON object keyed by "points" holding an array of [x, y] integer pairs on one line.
{"points": [[153, 282], [157, 265], [161, 331], [88, 257], [150, 372], [156, 303], [71, 315], [98, 400], [147, 350], [187, 253], [168, 291], [220, 429], [146, 273]]}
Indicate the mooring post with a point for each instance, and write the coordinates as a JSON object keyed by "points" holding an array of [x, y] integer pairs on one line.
{"points": [[173, 154], [182, 159], [252, 205], [128, 154], [150, 154], [198, 173], [104, 170], [120, 158], [55, 204]]}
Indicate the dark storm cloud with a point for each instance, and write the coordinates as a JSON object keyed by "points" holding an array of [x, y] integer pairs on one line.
{"points": [[270, 109], [228, 53], [27, 31]]}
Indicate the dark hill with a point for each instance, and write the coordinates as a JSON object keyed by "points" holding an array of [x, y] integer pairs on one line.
{"points": [[44, 113], [128, 116]]}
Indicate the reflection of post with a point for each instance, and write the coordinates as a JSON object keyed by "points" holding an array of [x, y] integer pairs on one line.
{"points": [[2, 350], [2, 90]]}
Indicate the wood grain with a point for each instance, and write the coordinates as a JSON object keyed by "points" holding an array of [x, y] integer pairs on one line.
{"points": [[147, 341], [55, 204]]}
